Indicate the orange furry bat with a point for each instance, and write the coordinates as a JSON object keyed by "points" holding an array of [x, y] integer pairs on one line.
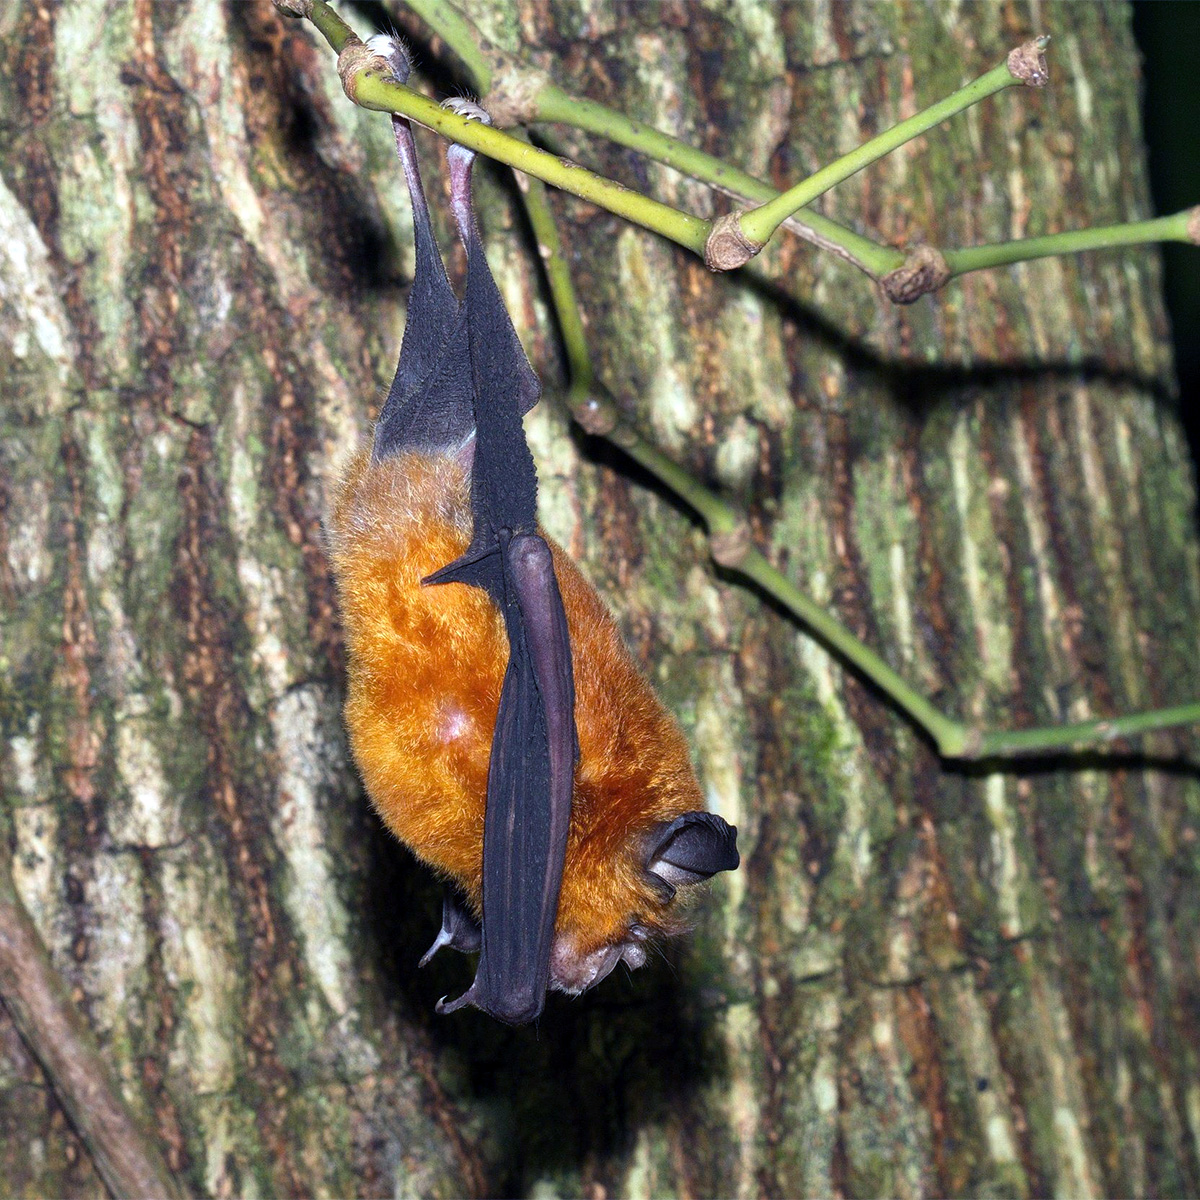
{"points": [[500, 724]]}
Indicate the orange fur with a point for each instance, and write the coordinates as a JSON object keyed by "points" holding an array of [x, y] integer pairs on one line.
{"points": [[426, 666]]}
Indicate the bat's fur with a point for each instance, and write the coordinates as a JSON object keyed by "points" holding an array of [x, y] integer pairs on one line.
{"points": [[426, 666]]}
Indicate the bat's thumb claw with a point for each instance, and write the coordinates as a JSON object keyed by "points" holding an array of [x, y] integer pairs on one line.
{"points": [[443, 939]]}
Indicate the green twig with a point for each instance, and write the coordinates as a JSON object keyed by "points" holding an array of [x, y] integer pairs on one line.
{"points": [[562, 288], [461, 35], [336, 32], [368, 83], [1012, 743], [728, 535], [730, 545], [760, 223], [1161, 229], [954, 739], [560, 107]]}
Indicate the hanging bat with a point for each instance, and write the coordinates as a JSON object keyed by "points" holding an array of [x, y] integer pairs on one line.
{"points": [[500, 725]]}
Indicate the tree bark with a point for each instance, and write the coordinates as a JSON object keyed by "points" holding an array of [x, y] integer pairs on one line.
{"points": [[924, 979]]}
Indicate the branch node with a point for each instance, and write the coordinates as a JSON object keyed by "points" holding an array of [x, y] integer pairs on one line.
{"points": [[1193, 226], [1028, 62], [512, 98], [731, 548], [595, 416], [354, 58], [728, 247], [972, 745], [294, 8], [924, 270]]}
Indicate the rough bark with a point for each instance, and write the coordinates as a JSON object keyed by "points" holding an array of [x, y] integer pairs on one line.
{"points": [[924, 980]]}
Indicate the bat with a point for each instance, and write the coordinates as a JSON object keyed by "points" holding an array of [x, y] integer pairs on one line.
{"points": [[501, 727]]}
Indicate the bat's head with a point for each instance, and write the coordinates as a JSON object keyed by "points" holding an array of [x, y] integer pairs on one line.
{"points": [[674, 855]]}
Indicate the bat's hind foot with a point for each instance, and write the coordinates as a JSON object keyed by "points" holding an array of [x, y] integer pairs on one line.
{"points": [[394, 52]]}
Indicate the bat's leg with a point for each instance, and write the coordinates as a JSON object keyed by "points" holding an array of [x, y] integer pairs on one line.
{"points": [[460, 160], [493, 327], [392, 49], [444, 417]]}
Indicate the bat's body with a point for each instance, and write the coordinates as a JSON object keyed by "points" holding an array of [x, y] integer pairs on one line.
{"points": [[500, 725], [427, 665]]}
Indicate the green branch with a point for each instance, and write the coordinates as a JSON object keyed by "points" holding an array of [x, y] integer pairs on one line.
{"points": [[461, 35], [730, 545], [1013, 743], [760, 223], [562, 288], [368, 83], [560, 107], [1174, 228], [527, 95]]}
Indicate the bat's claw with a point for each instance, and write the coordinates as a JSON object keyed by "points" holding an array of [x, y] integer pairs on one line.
{"points": [[442, 939]]}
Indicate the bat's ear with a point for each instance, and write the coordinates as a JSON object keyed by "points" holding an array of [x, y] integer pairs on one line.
{"points": [[691, 849]]}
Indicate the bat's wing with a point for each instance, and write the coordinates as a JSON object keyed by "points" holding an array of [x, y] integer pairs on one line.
{"points": [[430, 404], [530, 780], [534, 747]]}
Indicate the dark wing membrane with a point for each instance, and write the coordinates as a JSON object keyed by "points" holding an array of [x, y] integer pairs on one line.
{"points": [[532, 766], [491, 325], [530, 781], [429, 406], [438, 415], [503, 480]]}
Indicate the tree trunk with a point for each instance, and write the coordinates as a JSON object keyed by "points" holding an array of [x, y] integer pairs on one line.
{"points": [[924, 979]]}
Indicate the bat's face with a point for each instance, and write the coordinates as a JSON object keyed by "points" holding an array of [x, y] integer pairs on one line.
{"points": [[620, 923], [501, 727], [573, 972]]}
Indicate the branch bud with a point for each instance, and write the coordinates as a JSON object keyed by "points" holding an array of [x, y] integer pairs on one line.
{"points": [[730, 549], [1028, 62], [924, 270], [354, 57], [512, 98], [728, 247], [1193, 225], [294, 8], [595, 416]]}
